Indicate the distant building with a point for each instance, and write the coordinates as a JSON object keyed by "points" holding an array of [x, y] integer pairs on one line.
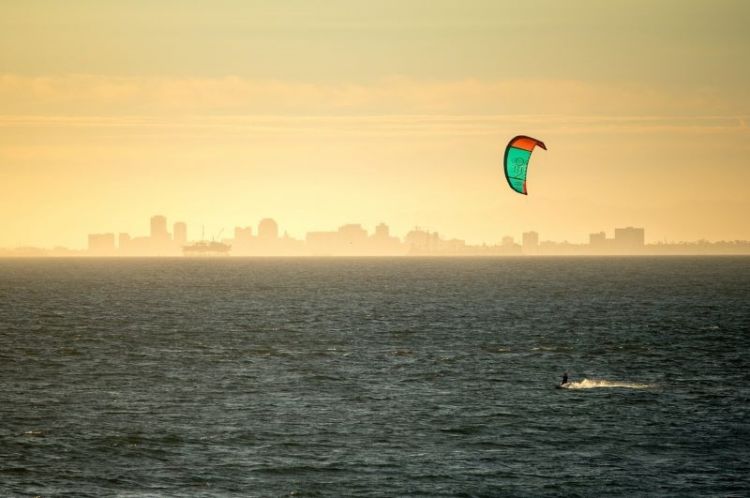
{"points": [[382, 231], [598, 242], [352, 234], [268, 229], [102, 244], [382, 243], [530, 242], [452, 247], [243, 235], [629, 239], [420, 241], [179, 232], [423, 242], [243, 244], [508, 246], [597, 239], [159, 228], [352, 240], [123, 241]]}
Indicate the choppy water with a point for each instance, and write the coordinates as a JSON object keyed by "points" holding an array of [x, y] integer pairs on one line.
{"points": [[375, 377]]}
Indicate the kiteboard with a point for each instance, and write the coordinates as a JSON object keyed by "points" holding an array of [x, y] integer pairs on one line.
{"points": [[562, 386]]}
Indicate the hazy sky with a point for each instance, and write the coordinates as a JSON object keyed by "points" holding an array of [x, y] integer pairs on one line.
{"points": [[320, 113]]}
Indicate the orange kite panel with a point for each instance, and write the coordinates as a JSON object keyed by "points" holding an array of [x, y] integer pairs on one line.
{"points": [[525, 143]]}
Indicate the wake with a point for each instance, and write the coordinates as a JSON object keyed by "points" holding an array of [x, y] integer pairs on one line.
{"points": [[596, 384]]}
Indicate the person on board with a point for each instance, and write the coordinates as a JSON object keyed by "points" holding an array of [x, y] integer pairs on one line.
{"points": [[564, 378]]}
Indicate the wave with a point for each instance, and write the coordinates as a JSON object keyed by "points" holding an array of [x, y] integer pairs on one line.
{"points": [[598, 383], [35, 433]]}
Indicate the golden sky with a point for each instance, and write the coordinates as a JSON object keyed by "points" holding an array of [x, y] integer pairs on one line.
{"points": [[320, 113]]}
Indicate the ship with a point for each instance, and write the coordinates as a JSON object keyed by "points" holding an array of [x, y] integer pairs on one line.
{"points": [[206, 248]]}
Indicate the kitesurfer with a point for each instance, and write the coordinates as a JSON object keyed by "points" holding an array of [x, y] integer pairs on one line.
{"points": [[564, 379]]}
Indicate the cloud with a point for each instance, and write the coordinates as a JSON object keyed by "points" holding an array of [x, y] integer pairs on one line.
{"points": [[198, 126], [231, 95], [193, 107]]}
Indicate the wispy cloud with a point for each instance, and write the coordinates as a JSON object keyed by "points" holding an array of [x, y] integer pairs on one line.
{"points": [[389, 106], [105, 95]]}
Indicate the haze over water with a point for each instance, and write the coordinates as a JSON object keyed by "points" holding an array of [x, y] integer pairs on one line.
{"points": [[375, 377]]}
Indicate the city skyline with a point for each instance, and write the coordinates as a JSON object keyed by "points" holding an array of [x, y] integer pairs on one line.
{"points": [[353, 239]]}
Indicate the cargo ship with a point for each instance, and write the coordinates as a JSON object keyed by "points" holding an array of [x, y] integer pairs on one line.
{"points": [[204, 248]]}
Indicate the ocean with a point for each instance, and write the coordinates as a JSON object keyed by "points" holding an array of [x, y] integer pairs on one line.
{"points": [[375, 377]]}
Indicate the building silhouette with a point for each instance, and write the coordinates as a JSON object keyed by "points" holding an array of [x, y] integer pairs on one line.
{"points": [[422, 242], [384, 244], [243, 235], [353, 240], [123, 241], [530, 242], [268, 229], [629, 240], [159, 228]]}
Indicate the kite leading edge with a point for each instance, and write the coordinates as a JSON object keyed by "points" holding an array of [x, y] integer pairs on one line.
{"points": [[516, 161]]}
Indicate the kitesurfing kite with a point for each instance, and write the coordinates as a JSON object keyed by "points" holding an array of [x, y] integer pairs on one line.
{"points": [[516, 161]]}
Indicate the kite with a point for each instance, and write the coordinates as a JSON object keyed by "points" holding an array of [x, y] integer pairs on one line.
{"points": [[516, 161]]}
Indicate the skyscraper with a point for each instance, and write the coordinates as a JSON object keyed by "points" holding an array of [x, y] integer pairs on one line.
{"points": [[159, 228]]}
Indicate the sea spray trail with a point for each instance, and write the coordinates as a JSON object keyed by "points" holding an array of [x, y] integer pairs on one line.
{"points": [[374, 377], [598, 383]]}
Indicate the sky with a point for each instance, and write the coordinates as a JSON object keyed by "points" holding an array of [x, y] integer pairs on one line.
{"points": [[322, 113]]}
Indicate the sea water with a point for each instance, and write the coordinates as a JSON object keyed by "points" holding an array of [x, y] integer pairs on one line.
{"points": [[375, 377]]}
